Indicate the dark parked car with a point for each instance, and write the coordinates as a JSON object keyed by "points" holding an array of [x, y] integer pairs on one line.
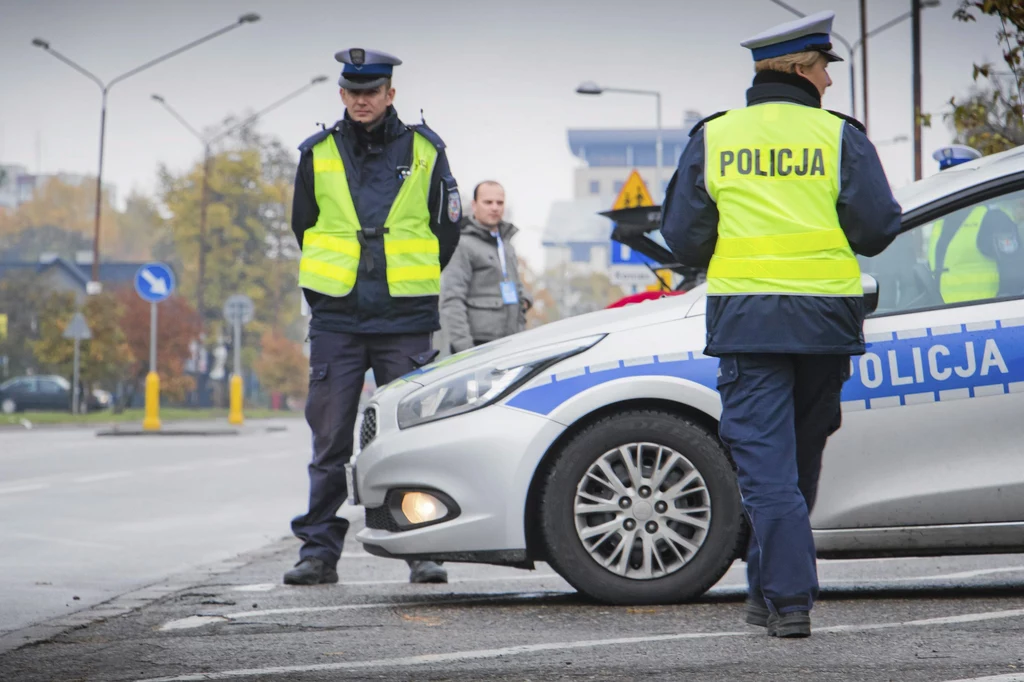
{"points": [[46, 392]]}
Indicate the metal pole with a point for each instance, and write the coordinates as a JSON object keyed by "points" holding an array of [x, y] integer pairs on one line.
{"points": [[74, 386], [915, 22], [152, 337], [864, 60], [202, 236], [658, 191], [853, 89], [99, 193], [238, 346]]}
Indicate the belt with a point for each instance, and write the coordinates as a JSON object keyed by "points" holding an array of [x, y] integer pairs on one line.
{"points": [[362, 235]]}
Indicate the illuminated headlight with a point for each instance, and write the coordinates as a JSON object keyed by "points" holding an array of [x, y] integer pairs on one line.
{"points": [[482, 385], [420, 508]]}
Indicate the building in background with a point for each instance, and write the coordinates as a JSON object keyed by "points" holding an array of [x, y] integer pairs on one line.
{"points": [[17, 185], [575, 235]]}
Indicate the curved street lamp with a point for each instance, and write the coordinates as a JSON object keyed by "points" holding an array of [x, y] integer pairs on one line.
{"points": [[592, 88], [207, 143], [860, 43], [94, 286]]}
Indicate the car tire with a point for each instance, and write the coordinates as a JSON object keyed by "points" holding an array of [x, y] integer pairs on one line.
{"points": [[720, 542], [8, 406]]}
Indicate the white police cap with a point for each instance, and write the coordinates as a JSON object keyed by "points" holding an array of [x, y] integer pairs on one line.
{"points": [[365, 69], [954, 155], [810, 33]]}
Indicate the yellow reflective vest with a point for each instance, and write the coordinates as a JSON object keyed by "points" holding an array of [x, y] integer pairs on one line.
{"points": [[967, 274], [773, 171], [331, 249]]}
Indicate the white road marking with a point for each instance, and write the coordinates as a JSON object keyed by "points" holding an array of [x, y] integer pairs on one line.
{"points": [[175, 468], [63, 541], [1012, 677], [199, 621], [229, 462], [23, 488], [460, 656], [453, 657], [105, 477], [259, 587]]}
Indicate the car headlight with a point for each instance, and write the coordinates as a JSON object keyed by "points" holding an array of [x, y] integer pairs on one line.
{"points": [[482, 385]]}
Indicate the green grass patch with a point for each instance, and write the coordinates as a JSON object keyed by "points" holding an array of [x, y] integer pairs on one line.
{"points": [[167, 414]]}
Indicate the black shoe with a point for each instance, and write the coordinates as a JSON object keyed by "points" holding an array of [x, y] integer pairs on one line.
{"points": [[311, 571], [426, 572], [794, 624], [756, 611]]}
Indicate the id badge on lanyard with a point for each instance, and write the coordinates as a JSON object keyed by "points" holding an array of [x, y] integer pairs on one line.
{"points": [[509, 295]]}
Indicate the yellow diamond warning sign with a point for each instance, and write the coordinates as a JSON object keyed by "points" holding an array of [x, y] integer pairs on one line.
{"points": [[634, 193]]}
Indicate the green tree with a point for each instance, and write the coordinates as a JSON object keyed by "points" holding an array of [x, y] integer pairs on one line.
{"points": [[104, 358], [991, 117], [248, 241], [20, 301]]}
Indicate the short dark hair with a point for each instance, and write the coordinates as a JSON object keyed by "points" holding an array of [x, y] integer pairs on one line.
{"points": [[476, 190]]}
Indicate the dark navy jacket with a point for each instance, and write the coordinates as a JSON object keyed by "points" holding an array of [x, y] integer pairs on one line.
{"points": [[373, 161], [868, 214]]}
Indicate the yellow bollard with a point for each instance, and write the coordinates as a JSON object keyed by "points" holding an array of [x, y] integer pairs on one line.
{"points": [[235, 412], [152, 419]]}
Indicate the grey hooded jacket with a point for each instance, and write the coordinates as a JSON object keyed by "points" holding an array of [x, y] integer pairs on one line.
{"points": [[472, 311]]}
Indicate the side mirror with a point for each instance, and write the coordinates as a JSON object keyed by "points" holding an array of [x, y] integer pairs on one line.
{"points": [[870, 286]]}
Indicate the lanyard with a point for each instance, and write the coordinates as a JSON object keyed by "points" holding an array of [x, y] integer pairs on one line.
{"points": [[501, 256]]}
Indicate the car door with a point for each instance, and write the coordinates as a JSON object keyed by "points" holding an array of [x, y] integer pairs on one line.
{"points": [[933, 412], [52, 395]]}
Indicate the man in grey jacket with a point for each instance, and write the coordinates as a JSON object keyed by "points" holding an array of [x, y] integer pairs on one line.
{"points": [[482, 296]]}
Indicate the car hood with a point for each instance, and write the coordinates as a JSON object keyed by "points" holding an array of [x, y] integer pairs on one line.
{"points": [[562, 331]]}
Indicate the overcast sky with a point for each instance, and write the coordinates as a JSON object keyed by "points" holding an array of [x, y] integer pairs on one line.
{"points": [[495, 78]]}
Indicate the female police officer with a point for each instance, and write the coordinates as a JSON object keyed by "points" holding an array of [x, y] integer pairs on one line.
{"points": [[775, 199]]}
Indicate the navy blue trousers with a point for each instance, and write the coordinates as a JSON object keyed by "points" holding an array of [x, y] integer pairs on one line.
{"points": [[778, 411], [337, 368]]}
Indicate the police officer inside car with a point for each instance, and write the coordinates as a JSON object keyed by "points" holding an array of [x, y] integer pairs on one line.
{"points": [[376, 213], [775, 199]]}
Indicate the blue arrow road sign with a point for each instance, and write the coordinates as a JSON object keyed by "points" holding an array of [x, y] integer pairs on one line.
{"points": [[623, 255], [154, 282]]}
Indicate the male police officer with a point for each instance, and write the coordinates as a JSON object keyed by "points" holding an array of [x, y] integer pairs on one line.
{"points": [[975, 253], [376, 213], [778, 197]]}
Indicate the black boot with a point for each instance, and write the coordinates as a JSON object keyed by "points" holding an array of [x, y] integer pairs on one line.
{"points": [[426, 572], [756, 611], [311, 571], [793, 624]]}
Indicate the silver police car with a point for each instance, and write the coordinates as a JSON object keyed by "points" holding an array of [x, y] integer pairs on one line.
{"points": [[591, 443]]}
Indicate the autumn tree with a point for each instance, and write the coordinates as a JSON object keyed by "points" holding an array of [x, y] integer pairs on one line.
{"points": [[281, 366], [991, 118], [20, 300], [248, 242], [544, 308], [60, 218], [104, 358], [177, 326]]}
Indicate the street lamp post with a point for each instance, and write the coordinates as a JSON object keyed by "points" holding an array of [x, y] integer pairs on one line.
{"points": [[208, 162], [94, 285], [592, 88], [861, 43]]}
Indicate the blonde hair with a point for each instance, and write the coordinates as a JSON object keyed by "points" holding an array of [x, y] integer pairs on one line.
{"points": [[787, 63]]}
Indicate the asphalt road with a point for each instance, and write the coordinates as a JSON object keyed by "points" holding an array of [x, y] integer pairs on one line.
{"points": [[84, 518], [181, 541], [907, 620]]}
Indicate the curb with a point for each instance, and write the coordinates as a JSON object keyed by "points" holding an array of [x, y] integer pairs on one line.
{"points": [[134, 600], [213, 431]]}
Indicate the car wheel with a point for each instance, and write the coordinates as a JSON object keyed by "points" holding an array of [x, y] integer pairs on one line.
{"points": [[8, 406], [642, 507]]}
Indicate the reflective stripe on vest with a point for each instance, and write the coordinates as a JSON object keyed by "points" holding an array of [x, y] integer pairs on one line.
{"points": [[773, 171], [331, 249], [967, 274]]}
